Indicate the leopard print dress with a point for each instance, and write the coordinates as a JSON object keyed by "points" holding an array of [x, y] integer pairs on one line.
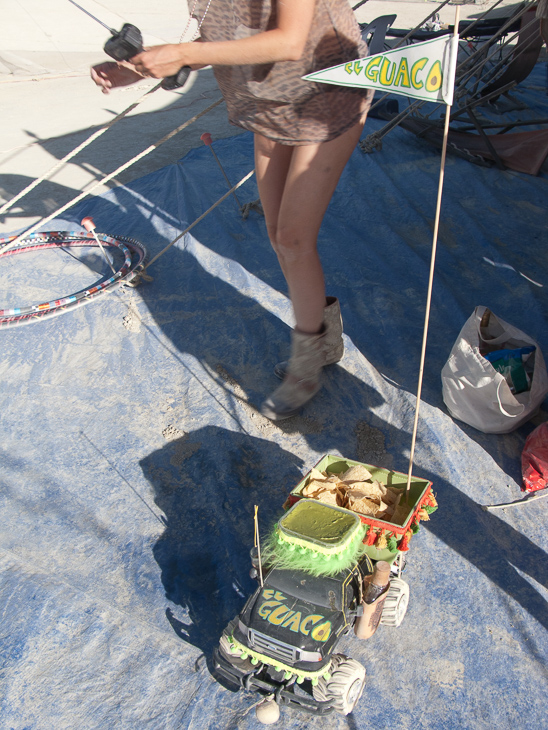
{"points": [[272, 99]]}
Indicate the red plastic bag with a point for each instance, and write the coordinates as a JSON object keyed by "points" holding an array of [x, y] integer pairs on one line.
{"points": [[534, 460]]}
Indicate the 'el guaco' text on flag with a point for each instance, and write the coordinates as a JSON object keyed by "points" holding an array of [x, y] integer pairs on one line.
{"points": [[421, 70]]}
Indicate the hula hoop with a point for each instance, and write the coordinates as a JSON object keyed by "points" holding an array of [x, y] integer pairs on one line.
{"points": [[134, 256]]}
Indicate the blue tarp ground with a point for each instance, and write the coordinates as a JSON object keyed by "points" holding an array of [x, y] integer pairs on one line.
{"points": [[133, 452]]}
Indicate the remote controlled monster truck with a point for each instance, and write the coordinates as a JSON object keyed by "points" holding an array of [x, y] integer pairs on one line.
{"points": [[283, 644], [311, 584]]}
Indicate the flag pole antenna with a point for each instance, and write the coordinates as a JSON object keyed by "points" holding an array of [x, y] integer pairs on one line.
{"points": [[454, 48]]}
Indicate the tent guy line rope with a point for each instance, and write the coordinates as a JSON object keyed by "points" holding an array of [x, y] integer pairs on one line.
{"points": [[204, 96], [161, 519], [43, 77], [111, 175], [516, 503], [200, 218], [75, 151]]}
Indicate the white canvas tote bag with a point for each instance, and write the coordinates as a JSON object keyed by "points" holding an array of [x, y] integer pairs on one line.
{"points": [[473, 390]]}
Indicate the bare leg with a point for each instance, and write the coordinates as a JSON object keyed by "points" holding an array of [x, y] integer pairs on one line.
{"points": [[296, 185], [272, 163]]}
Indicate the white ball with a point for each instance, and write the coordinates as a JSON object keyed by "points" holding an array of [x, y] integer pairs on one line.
{"points": [[267, 712]]}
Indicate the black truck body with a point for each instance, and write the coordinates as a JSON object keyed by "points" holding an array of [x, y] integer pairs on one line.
{"points": [[283, 640]]}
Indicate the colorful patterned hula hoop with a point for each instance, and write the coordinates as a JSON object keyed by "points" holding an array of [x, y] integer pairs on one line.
{"points": [[134, 256]]}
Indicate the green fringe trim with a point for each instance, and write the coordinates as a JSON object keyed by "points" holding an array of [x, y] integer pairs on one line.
{"points": [[415, 527], [392, 543], [429, 509], [289, 556], [279, 666]]}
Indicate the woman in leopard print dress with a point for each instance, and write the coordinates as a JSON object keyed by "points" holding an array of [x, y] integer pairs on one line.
{"points": [[304, 135]]}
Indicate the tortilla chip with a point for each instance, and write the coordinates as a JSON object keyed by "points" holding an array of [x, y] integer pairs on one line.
{"points": [[314, 485], [392, 496], [384, 510], [380, 486], [364, 506], [356, 474], [354, 494], [317, 475], [328, 497], [368, 489], [393, 507]]}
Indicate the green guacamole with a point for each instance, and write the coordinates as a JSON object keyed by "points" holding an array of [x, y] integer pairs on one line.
{"points": [[319, 522]]}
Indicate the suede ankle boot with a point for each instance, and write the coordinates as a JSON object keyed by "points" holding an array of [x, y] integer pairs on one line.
{"points": [[333, 343], [302, 378]]}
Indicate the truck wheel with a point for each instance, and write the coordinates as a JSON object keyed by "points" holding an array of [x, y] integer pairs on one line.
{"points": [[345, 686], [395, 604], [398, 566]]}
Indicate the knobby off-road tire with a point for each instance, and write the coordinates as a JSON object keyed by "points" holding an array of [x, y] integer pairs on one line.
{"points": [[345, 686], [395, 604]]}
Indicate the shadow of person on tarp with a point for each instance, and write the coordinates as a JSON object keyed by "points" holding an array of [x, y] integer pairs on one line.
{"points": [[207, 484]]}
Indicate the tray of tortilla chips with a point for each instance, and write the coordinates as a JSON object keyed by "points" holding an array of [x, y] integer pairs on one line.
{"points": [[376, 495]]}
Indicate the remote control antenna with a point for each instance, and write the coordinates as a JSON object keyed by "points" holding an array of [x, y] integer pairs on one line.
{"points": [[110, 30]]}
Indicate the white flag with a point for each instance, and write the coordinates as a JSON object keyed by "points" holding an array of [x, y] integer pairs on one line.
{"points": [[421, 70]]}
